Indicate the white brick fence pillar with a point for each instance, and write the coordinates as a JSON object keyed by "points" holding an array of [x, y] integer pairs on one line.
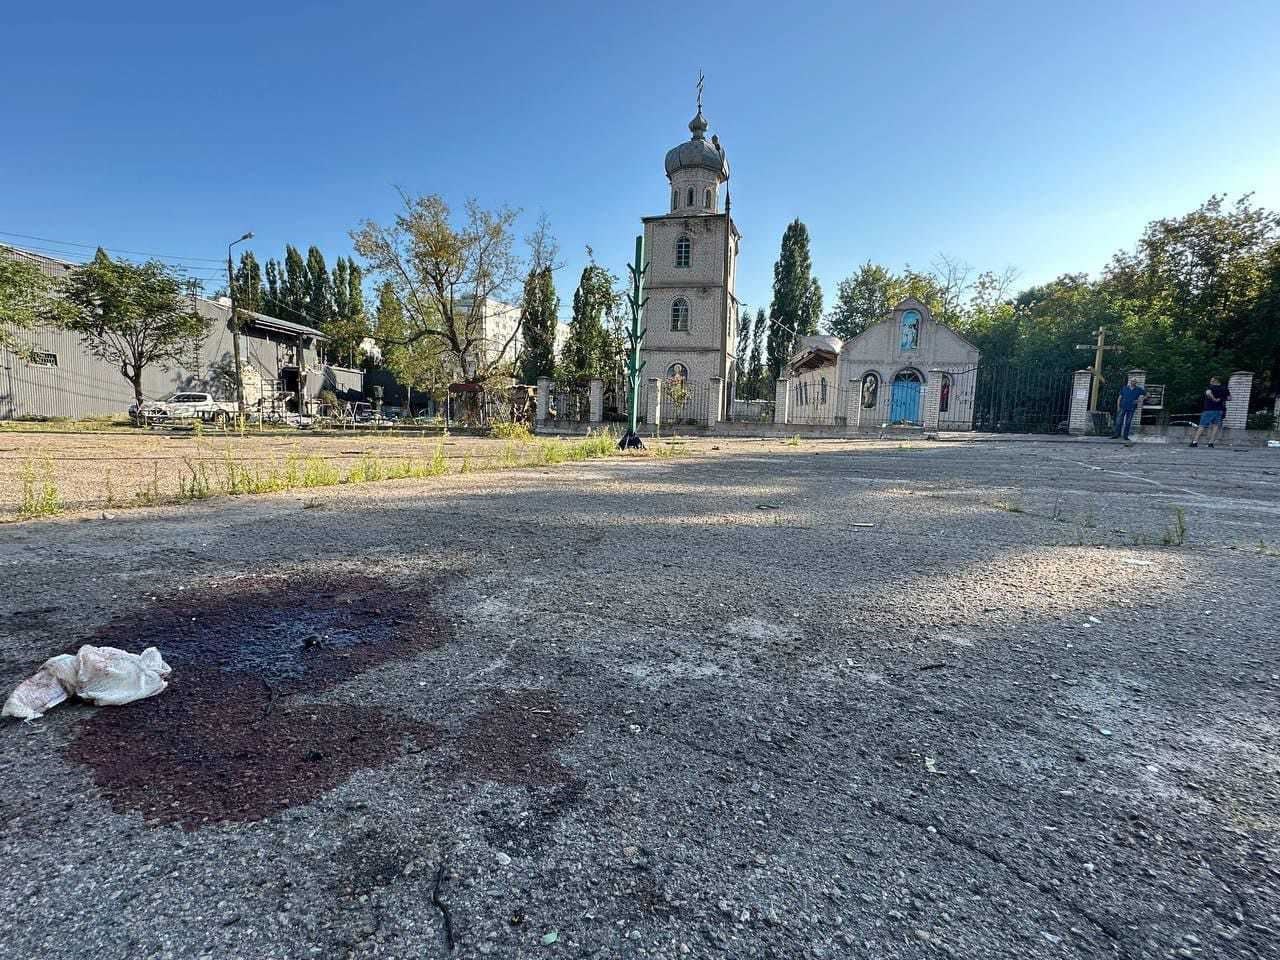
{"points": [[853, 405], [715, 401], [544, 399], [1241, 388], [1141, 377], [932, 401], [595, 396], [780, 396], [654, 414], [1078, 421]]}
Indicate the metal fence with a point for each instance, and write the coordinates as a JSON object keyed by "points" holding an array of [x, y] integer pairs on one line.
{"points": [[1008, 398], [569, 404], [684, 403], [817, 402], [752, 403]]}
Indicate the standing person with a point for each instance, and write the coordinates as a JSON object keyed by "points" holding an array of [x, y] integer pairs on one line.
{"points": [[1215, 408], [1127, 406]]}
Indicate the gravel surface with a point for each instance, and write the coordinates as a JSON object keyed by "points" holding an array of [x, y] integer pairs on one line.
{"points": [[670, 708]]}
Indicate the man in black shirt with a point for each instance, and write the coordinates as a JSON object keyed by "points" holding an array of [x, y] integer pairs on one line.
{"points": [[1215, 408]]}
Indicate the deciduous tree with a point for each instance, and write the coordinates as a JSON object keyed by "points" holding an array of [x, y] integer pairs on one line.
{"points": [[132, 315], [28, 299], [445, 273]]}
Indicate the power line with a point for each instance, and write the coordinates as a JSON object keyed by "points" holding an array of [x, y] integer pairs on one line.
{"points": [[94, 246], [186, 270]]}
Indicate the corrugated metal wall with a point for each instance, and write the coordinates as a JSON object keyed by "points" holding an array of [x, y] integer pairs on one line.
{"points": [[81, 385]]}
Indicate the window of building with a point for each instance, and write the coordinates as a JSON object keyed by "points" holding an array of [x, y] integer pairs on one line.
{"points": [[680, 314], [678, 372], [684, 248], [675, 198], [41, 359], [706, 199], [910, 330], [689, 198]]}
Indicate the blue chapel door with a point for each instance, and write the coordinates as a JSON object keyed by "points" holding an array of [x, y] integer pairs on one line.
{"points": [[904, 402]]}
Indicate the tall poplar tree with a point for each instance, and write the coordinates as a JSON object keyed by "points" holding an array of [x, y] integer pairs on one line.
{"points": [[319, 306], [248, 281], [272, 294], [792, 312], [539, 310], [757, 350], [587, 351], [293, 297], [742, 363]]}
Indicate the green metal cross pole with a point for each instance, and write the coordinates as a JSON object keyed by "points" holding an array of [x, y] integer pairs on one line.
{"points": [[636, 301]]}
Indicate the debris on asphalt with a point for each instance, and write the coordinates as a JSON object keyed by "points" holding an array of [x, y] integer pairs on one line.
{"points": [[549, 938], [1133, 562], [768, 506], [107, 676]]}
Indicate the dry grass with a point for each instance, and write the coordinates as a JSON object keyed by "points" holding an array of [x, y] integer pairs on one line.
{"points": [[147, 470]]}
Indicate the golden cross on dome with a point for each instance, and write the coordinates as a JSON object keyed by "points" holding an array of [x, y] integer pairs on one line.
{"points": [[701, 78]]}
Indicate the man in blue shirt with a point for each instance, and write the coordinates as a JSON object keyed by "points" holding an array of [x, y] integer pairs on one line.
{"points": [[1126, 406], [1215, 408]]}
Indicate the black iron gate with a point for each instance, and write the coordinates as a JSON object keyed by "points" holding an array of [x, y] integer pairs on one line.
{"points": [[752, 402], [1004, 397], [569, 403], [684, 402]]}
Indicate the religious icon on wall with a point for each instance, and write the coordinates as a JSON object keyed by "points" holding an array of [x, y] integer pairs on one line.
{"points": [[870, 387], [911, 330], [944, 401]]}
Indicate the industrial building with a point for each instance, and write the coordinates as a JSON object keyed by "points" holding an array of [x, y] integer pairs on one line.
{"points": [[281, 367]]}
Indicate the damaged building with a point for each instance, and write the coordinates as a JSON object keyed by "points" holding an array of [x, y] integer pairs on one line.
{"points": [[281, 365]]}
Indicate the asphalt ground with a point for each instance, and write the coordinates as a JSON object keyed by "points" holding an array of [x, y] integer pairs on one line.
{"points": [[1001, 700]]}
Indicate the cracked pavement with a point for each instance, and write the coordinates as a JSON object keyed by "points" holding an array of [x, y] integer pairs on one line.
{"points": [[697, 707]]}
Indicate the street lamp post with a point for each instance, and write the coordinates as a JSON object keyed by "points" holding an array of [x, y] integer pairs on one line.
{"points": [[235, 325]]}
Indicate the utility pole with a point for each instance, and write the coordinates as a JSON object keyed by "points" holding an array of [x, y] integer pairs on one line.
{"points": [[1099, 347], [635, 336], [235, 327]]}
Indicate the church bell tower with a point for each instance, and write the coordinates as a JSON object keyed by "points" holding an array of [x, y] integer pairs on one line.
{"points": [[691, 314]]}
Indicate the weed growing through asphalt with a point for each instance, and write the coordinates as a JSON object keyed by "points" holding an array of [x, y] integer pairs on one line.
{"points": [[1010, 505], [1176, 533], [794, 441], [40, 496]]}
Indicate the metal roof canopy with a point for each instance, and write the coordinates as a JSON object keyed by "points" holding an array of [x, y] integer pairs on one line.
{"points": [[280, 326]]}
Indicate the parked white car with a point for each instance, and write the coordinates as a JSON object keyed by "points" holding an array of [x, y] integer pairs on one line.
{"points": [[184, 406]]}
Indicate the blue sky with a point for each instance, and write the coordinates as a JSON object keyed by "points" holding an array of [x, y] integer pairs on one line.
{"points": [[1041, 136]]}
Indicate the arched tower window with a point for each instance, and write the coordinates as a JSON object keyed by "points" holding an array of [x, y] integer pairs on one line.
{"points": [[707, 201], [684, 249], [680, 314], [689, 198], [675, 198]]}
